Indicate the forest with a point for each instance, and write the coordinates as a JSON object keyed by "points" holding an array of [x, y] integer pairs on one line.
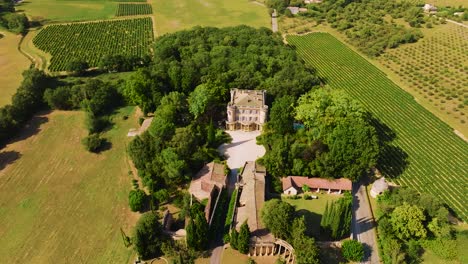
{"points": [[14, 22], [333, 137]]}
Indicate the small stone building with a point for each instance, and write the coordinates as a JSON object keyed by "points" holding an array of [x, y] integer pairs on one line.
{"points": [[247, 110], [207, 184]]}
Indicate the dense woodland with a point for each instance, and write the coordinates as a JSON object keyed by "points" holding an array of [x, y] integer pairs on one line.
{"points": [[409, 223], [14, 22], [337, 139]]}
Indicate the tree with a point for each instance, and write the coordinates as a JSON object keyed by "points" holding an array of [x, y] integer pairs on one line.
{"points": [[282, 115], [77, 67], [197, 230], [59, 98], [93, 143], [352, 250], [148, 236], [136, 200], [407, 221], [234, 238], [305, 188], [306, 251], [277, 217], [243, 241]]}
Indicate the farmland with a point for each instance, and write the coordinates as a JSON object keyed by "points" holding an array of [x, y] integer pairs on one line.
{"points": [[58, 201], [133, 9], [172, 16], [441, 83], [68, 10], [91, 41], [436, 159], [12, 64]]}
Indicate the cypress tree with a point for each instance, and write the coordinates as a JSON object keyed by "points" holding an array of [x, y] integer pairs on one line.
{"points": [[323, 221], [244, 238], [233, 240]]}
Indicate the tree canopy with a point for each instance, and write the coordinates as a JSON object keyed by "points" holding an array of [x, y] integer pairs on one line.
{"points": [[338, 139], [277, 217], [148, 236]]}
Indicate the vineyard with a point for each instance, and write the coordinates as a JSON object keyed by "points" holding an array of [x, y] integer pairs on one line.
{"points": [[91, 41], [424, 154], [134, 9], [441, 82]]}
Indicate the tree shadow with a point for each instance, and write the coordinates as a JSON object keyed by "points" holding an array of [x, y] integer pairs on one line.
{"points": [[106, 145], [312, 221], [8, 157], [392, 160], [31, 128], [367, 252], [330, 254]]}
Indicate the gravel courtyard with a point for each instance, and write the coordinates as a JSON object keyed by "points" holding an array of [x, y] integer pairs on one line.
{"points": [[242, 148]]}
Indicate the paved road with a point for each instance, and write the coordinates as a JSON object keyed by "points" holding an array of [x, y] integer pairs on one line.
{"points": [[363, 226], [274, 21]]}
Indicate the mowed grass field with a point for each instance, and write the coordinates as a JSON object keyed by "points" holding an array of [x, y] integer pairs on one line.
{"points": [[59, 202], [171, 16], [68, 10], [312, 210], [437, 159], [12, 64]]}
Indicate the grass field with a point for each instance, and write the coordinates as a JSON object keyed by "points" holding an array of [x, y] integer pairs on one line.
{"points": [[172, 16], [312, 210], [436, 68], [12, 64], [68, 10], [91, 41], [59, 202], [437, 159]]}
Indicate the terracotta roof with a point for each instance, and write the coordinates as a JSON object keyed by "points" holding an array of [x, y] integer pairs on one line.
{"points": [[299, 181]]}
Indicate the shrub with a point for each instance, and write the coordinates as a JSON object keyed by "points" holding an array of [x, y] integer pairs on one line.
{"points": [[136, 200], [77, 67], [352, 250], [232, 204], [93, 142]]}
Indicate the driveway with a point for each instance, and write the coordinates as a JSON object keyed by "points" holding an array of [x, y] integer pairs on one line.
{"points": [[363, 226], [242, 148]]}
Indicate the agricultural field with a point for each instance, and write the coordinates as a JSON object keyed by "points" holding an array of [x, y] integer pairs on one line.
{"points": [[12, 64], [134, 9], [91, 41], [173, 16], [425, 153], [68, 10], [60, 202], [436, 67]]}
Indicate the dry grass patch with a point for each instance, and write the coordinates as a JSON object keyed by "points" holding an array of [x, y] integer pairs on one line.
{"points": [[59, 202], [12, 64]]}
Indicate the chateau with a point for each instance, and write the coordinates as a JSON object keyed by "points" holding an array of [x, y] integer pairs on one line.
{"points": [[247, 110]]}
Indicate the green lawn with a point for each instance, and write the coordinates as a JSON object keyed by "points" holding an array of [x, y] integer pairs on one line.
{"points": [[312, 209], [68, 10], [60, 202], [425, 153], [172, 16]]}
